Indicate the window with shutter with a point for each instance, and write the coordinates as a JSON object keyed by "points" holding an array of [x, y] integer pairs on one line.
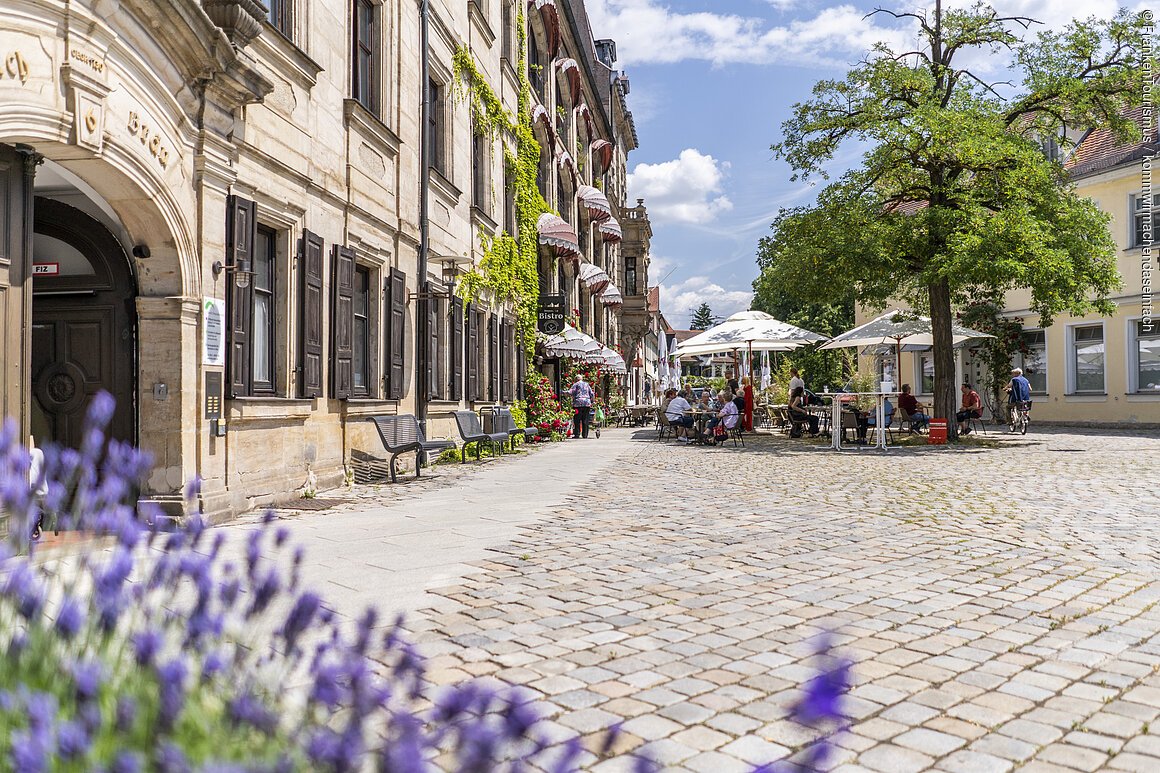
{"points": [[434, 369], [396, 334], [456, 348], [473, 381], [505, 374], [310, 351], [342, 323], [240, 234], [364, 364], [493, 358]]}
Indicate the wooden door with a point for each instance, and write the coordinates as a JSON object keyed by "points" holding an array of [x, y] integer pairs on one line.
{"points": [[83, 328]]}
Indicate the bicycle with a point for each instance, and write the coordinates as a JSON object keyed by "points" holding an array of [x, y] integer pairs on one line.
{"points": [[1019, 415]]}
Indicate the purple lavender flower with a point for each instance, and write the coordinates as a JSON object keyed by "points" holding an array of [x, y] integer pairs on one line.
{"points": [[87, 679], [70, 619], [29, 751], [72, 740], [169, 759], [301, 615], [146, 645], [214, 664], [171, 677], [247, 708], [127, 762], [125, 714]]}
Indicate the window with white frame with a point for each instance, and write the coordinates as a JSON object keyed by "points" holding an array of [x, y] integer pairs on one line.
{"points": [[1145, 218], [1034, 359], [1087, 358], [1145, 354]]}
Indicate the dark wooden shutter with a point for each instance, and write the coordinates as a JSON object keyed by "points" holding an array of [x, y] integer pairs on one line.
{"points": [[241, 229], [342, 324], [493, 358], [473, 388], [456, 348], [310, 328], [505, 376], [396, 334], [434, 387], [521, 372]]}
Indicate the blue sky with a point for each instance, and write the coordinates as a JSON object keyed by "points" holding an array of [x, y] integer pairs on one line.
{"points": [[711, 83]]}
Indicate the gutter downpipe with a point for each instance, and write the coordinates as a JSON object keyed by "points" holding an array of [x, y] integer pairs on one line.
{"points": [[421, 332]]}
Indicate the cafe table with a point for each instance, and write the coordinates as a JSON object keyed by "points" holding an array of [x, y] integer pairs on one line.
{"points": [[700, 419], [879, 417]]}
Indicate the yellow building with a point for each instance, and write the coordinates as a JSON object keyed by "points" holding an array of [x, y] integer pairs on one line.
{"points": [[1096, 369]]}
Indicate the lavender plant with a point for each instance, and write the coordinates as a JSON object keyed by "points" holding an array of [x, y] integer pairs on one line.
{"points": [[175, 652]]}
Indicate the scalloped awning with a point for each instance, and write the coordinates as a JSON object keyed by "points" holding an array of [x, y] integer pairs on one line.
{"points": [[612, 297], [602, 154], [594, 278], [555, 232], [582, 111], [595, 202], [565, 161], [610, 230], [570, 71], [541, 117], [551, 20]]}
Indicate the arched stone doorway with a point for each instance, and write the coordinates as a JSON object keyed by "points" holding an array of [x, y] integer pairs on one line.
{"points": [[84, 326]]}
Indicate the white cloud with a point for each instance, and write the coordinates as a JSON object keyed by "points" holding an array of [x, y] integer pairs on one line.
{"points": [[683, 190], [679, 301], [649, 32]]}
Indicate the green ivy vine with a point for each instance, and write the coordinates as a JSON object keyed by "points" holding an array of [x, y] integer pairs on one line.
{"points": [[508, 270]]}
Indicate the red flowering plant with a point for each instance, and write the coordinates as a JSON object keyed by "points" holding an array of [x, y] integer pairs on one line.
{"points": [[544, 410]]}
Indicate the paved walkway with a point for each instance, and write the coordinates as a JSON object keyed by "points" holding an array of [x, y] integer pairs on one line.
{"points": [[999, 603]]}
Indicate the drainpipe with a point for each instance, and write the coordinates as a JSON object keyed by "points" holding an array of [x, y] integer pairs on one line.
{"points": [[421, 332]]}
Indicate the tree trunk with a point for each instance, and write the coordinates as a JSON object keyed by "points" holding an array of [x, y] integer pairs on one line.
{"points": [[945, 389]]}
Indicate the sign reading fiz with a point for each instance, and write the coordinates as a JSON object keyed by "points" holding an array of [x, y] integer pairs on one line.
{"points": [[46, 269], [551, 317]]}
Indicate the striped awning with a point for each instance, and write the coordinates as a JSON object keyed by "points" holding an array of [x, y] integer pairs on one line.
{"points": [[612, 297], [602, 154], [570, 71], [583, 112], [565, 161], [610, 230], [555, 232], [541, 117], [594, 278], [551, 19], [594, 200]]}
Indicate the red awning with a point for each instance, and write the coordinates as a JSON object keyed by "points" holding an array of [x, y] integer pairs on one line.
{"points": [[602, 154], [612, 297], [541, 117], [582, 111], [594, 277], [599, 210], [610, 230], [570, 71], [565, 160], [555, 232], [551, 20]]}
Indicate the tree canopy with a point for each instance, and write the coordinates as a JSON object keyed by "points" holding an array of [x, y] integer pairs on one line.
{"points": [[956, 199]]}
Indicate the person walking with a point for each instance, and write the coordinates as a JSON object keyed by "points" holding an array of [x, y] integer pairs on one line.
{"points": [[582, 399]]}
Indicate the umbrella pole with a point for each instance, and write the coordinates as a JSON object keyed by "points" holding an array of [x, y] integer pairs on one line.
{"points": [[749, 361], [898, 362]]}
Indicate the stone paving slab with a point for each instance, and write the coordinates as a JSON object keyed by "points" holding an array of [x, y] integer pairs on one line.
{"points": [[999, 602]]}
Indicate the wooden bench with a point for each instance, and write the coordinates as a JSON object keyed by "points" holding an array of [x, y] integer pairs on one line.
{"points": [[472, 432], [401, 434], [503, 421]]}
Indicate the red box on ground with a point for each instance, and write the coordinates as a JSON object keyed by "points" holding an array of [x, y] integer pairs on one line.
{"points": [[938, 432]]}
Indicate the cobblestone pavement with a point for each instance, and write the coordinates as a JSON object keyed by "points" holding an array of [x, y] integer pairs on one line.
{"points": [[999, 602]]}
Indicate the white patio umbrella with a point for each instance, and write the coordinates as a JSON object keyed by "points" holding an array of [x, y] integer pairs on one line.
{"points": [[899, 329], [753, 331], [663, 360]]}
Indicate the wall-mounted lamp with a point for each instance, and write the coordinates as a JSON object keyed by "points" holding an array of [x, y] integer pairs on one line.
{"points": [[241, 271], [453, 265]]}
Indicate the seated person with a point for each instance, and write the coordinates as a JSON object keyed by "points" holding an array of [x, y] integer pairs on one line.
{"points": [[703, 403], [972, 408], [888, 412], [912, 409], [675, 413], [798, 413], [728, 415], [669, 395]]}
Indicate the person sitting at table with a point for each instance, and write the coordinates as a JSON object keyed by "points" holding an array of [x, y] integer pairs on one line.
{"points": [[798, 413], [912, 409], [681, 422], [972, 409], [888, 412], [728, 415], [795, 380]]}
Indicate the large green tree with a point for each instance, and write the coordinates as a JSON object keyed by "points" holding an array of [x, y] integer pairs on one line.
{"points": [[955, 198], [703, 318]]}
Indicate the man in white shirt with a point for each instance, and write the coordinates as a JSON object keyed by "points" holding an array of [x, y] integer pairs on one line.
{"points": [[675, 413], [795, 380]]}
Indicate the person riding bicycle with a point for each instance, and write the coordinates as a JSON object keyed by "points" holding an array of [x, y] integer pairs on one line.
{"points": [[1018, 391]]}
